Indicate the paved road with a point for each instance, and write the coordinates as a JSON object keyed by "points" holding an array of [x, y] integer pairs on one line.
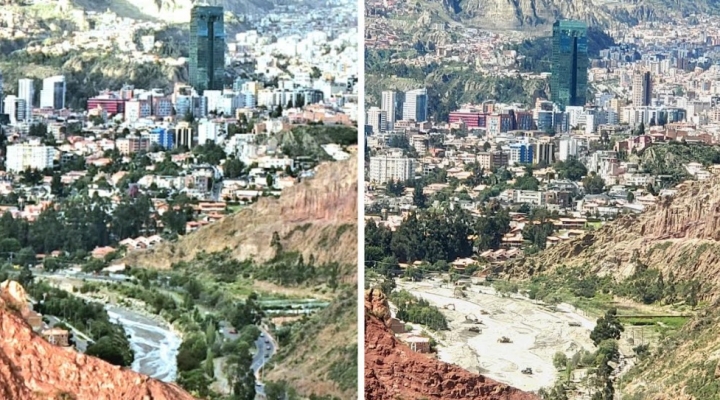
{"points": [[266, 348]]}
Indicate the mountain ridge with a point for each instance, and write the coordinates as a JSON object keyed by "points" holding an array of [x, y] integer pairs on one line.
{"points": [[541, 14]]}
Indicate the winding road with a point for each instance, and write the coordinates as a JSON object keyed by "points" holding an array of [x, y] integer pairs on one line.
{"points": [[266, 348]]}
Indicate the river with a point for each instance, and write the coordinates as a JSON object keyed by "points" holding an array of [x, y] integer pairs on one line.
{"points": [[154, 344]]}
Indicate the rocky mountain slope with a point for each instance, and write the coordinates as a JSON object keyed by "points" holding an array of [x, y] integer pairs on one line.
{"points": [[33, 369], [316, 217], [173, 11], [680, 234], [393, 371], [534, 14], [323, 355]]}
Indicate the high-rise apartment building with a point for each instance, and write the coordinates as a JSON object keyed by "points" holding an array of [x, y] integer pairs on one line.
{"points": [[388, 167], [26, 92], [52, 94], [521, 153], [377, 119], [392, 105], [642, 89], [183, 135], [207, 48], [415, 106], [14, 107], [569, 79], [23, 156]]}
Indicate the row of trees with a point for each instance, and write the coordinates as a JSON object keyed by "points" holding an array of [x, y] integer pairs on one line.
{"points": [[111, 343], [85, 223], [415, 310]]}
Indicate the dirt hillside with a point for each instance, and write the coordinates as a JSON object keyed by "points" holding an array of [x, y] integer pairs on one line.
{"points": [[33, 369], [394, 371], [680, 233], [317, 216]]}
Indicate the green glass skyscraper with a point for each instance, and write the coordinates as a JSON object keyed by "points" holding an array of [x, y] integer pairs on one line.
{"points": [[569, 79], [207, 48]]}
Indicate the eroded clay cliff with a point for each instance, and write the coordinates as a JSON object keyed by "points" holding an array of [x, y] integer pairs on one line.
{"points": [[33, 369], [680, 233], [317, 216], [394, 371]]}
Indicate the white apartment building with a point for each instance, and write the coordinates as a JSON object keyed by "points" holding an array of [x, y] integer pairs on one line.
{"points": [[136, 109], [52, 94], [533, 197], [415, 106], [14, 109], [208, 131], [34, 156], [377, 119], [26, 92], [388, 167], [389, 104], [568, 148]]}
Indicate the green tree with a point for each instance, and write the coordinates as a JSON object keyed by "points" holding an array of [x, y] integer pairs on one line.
{"points": [[641, 129], [571, 169], [192, 352], [394, 188], [26, 256], [26, 278], [607, 327], [105, 348], [233, 168], [195, 381], [593, 184], [270, 181], [692, 299], [209, 364], [240, 374], [419, 198], [560, 360], [56, 186]]}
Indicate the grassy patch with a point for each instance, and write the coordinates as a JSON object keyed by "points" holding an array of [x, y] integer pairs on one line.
{"points": [[300, 228], [342, 229], [344, 370], [670, 322]]}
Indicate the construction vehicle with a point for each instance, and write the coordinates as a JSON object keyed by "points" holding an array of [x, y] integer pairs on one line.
{"points": [[527, 371], [474, 329], [472, 319], [504, 339]]}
